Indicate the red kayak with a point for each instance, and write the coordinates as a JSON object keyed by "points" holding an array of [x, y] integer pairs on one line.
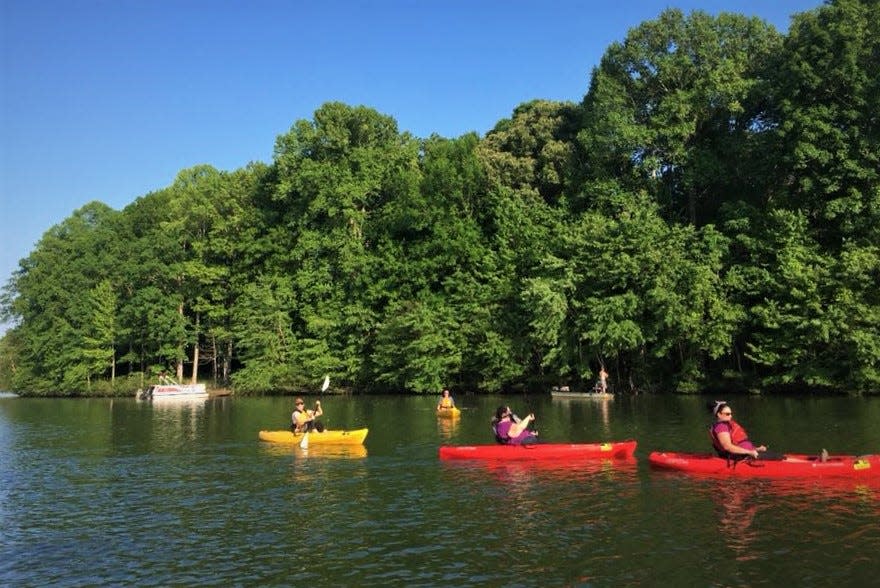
{"points": [[541, 451], [793, 466]]}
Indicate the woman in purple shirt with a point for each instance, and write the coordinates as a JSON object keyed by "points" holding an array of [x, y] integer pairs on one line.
{"points": [[512, 431]]}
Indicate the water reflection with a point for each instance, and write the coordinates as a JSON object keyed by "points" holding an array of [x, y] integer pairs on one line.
{"points": [[856, 496], [752, 512], [592, 409], [546, 470], [177, 403], [84, 476], [446, 427], [315, 452], [177, 420], [736, 507]]}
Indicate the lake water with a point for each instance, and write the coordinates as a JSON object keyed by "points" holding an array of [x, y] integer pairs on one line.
{"points": [[110, 492]]}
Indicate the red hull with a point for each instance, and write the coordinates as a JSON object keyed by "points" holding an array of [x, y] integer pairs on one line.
{"points": [[541, 451], [794, 466]]}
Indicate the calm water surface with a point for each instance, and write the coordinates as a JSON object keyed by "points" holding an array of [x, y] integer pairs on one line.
{"points": [[119, 492]]}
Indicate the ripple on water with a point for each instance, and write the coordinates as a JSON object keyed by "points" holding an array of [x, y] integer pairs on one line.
{"points": [[131, 496]]}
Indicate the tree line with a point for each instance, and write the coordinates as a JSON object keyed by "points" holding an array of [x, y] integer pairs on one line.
{"points": [[706, 218]]}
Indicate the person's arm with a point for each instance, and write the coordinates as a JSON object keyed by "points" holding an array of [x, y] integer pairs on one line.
{"points": [[519, 427], [729, 447], [318, 410]]}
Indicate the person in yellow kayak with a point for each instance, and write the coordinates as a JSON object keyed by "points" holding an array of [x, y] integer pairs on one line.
{"points": [[303, 420], [446, 401]]}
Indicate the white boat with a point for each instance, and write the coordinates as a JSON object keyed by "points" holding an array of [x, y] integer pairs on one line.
{"points": [[173, 391], [564, 392]]}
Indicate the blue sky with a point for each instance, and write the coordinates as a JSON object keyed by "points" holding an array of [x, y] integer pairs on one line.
{"points": [[108, 99]]}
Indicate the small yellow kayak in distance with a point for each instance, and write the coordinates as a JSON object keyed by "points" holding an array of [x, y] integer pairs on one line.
{"points": [[448, 413], [328, 437]]}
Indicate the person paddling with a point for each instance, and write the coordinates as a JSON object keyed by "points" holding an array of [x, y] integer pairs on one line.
{"points": [[446, 402], [511, 430], [730, 439], [304, 420]]}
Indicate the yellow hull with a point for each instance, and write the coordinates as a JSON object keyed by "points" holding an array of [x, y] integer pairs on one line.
{"points": [[448, 413], [328, 437]]}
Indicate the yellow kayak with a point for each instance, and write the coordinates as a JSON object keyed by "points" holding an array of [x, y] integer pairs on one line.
{"points": [[448, 413], [328, 437]]}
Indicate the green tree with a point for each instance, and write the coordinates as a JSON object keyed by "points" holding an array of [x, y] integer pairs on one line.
{"points": [[434, 277], [805, 259], [99, 348], [533, 151], [50, 299], [650, 297], [150, 299], [672, 109], [414, 348], [334, 175], [264, 335], [238, 240], [828, 95], [793, 326], [199, 197], [528, 159]]}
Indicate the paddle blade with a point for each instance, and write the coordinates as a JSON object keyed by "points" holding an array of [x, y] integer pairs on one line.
{"points": [[326, 384], [304, 444]]}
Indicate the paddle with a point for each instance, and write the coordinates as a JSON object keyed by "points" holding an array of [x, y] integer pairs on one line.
{"points": [[304, 444]]}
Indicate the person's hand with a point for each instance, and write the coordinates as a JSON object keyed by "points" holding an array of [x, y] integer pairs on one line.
{"points": [[761, 448], [755, 454]]}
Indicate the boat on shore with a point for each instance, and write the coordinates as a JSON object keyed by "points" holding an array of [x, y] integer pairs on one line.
{"points": [[173, 390], [793, 466], [326, 437], [541, 451], [556, 393], [566, 392]]}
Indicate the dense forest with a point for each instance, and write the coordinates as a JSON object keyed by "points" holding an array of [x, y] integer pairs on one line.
{"points": [[706, 218]]}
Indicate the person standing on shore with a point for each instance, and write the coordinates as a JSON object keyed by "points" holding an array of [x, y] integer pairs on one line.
{"points": [[603, 380]]}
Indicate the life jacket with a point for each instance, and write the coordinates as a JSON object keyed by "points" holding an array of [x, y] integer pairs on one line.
{"points": [[737, 436], [294, 419], [503, 439], [525, 437], [446, 402]]}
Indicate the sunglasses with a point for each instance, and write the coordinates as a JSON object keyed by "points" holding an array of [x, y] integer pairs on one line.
{"points": [[299, 403], [727, 413]]}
